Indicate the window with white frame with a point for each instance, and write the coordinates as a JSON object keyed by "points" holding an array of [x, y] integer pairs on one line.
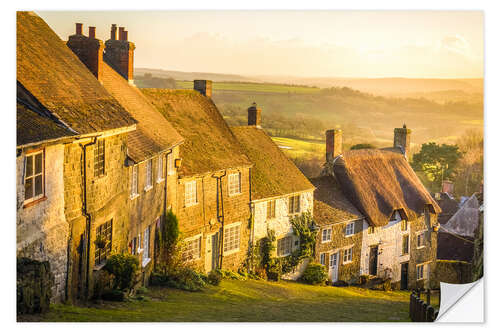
{"points": [[271, 209], [234, 183], [232, 238], [326, 235], [159, 172], [371, 229], [349, 229], [170, 164], [193, 248], [33, 176], [149, 174], [294, 204], [333, 259], [322, 258], [145, 254], [347, 255], [420, 271], [190, 193], [421, 240], [133, 183], [285, 246]]}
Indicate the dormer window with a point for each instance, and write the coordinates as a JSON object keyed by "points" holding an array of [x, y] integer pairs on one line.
{"points": [[395, 217]]}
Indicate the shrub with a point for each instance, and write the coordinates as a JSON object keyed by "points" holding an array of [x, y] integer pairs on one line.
{"points": [[123, 267], [113, 295], [184, 279], [314, 274], [214, 277], [340, 283]]}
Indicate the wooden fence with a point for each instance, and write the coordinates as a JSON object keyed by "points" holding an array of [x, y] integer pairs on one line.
{"points": [[421, 310]]}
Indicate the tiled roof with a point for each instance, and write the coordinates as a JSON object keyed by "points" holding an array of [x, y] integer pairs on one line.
{"points": [[273, 174], [50, 71], [154, 133], [209, 145], [330, 204]]}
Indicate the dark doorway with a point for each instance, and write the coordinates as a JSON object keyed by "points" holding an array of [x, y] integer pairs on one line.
{"points": [[373, 260], [404, 276], [215, 251]]}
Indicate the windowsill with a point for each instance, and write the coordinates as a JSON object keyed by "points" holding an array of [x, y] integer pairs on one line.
{"points": [[132, 197], [146, 262], [420, 247], [347, 262], [158, 181], [235, 194], [420, 279], [404, 254], [147, 188], [231, 252], [100, 266], [170, 173], [139, 251], [191, 205], [99, 177], [349, 235], [326, 241], [33, 202], [284, 255]]}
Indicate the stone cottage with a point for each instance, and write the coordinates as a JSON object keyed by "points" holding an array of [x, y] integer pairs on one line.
{"points": [[213, 195], [150, 148], [95, 182], [339, 240], [400, 229], [278, 189]]}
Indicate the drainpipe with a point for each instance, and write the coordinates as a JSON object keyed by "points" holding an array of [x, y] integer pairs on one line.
{"points": [[166, 175], [86, 214], [252, 221], [220, 217]]}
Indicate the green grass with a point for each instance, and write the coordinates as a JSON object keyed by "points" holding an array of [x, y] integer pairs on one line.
{"points": [[246, 301], [254, 87], [301, 147]]}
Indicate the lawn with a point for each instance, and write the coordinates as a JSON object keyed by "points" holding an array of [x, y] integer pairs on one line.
{"points": [[246, 301]]}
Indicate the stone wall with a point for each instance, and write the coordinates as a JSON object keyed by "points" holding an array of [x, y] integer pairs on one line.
{"points": [[201, 218], [42, 230], [34, 286], [348, 272], [453, 271]]}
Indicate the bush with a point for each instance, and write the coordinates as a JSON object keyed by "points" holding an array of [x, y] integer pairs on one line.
{"points": [[214, 277], [314, 274], [123, 267], [185, 279], [113, 295], [340, 283]]}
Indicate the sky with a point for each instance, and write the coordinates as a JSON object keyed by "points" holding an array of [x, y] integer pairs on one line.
{"points": [[413, 44]]}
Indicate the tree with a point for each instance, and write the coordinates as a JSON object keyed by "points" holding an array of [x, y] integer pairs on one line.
{"points": [[470, 167], [437, 162]]}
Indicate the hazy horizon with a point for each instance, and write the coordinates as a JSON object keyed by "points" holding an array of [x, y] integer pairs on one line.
{"points": [[302, 44]]}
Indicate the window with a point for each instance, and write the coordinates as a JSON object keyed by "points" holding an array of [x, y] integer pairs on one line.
{"points": [[271, 209], [149, 174], [159, 173], [371, 229], [139, 243], [405, 245], [193, 248], [190, 195], [33, 176], [333, 259], [420, 271], [170, 164], [232, 238], [322, 258], [99, 158], [234, 183], [349, 229], [326, 235], [421, 240], [395, 216], [347, 255], [285, 246], [103, 242], [404, 225], [133, 187], [145, 254], [294, 204]]}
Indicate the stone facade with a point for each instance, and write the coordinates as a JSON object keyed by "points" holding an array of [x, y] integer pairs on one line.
{"points": [[106, 201], [347, 270], [42, 230], [200, 219]]}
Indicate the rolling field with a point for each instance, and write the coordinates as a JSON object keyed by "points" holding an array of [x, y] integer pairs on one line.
{"points": [[253, 87], [301, 147]]}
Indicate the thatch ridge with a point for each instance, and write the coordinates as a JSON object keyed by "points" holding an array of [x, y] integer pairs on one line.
{"points": [[378, 182]]}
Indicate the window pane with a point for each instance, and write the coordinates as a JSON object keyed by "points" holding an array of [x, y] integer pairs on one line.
{"points": [[29, 166], [38, 163], [28, 188], [38, 185]]}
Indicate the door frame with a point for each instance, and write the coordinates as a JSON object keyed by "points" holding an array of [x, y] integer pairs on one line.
{"points": [[376, 246], [331, 269], [209, 264], [407, 275]]}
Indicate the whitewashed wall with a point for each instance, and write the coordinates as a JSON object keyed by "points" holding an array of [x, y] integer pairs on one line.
{"points": [[389, 239], [42, 230]]}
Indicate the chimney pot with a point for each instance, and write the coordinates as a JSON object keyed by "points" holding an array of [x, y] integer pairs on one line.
{"points": [[204, 87], [91, 32], [113, 31], [333, 144], [254, 115], [79, 28], [125, 35], [120, 33]]}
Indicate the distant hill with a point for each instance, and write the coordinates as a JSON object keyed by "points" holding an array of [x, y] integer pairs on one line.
{"points": [[190, 76]]}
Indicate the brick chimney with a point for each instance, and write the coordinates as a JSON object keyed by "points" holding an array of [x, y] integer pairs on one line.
{"points": [[119, 54], [447, 187], [333, 144], [402, 139], [204, 87], [254, 115], [88, 49]]}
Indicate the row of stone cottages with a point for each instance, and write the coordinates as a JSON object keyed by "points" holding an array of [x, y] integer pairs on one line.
{"points": [[99, 161]]}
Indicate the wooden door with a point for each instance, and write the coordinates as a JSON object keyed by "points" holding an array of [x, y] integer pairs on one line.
{"points": [[334, 266], [212, 252], [404, 276], [373, 263]]}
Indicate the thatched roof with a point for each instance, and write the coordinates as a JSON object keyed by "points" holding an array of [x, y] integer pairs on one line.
{"points": [[50, 71], [34, 128], [209, 145], [330, 204], [154, 133], [273, 174], [378, 182]]}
